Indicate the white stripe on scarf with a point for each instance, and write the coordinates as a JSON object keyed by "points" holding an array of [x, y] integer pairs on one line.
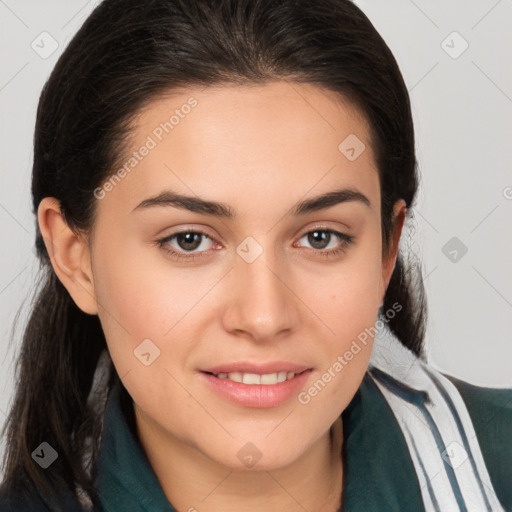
{"points": [[460, 454]]}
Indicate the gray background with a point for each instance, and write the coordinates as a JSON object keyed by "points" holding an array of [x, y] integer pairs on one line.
{"points": [[462, 107]]}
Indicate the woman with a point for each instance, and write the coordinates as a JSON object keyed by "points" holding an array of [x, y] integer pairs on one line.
{"points": [[225, 321]]}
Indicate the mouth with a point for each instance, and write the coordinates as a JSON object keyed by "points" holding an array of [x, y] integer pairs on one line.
{"points": [[266, 379], [257, 390]]}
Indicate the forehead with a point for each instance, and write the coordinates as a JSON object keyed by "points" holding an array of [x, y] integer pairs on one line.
{"points": [[259, 142]]}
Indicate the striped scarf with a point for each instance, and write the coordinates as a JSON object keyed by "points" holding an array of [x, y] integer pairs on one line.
{"points": [[437, 429]]}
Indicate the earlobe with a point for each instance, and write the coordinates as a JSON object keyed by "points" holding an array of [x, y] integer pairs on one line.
{"points": [[69, 255], [388, 264]]}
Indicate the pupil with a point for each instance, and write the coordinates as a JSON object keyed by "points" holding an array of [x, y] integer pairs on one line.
{"points": [[188, 240], [316, 238]]}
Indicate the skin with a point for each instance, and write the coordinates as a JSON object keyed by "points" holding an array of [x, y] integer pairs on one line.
{"points": [[259, 149]]}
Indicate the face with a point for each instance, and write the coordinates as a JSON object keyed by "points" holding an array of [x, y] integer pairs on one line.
{"points": [[268, 282]]}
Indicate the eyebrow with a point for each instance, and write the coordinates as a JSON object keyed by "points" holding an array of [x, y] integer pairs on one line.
{"points": [[198, 205]]}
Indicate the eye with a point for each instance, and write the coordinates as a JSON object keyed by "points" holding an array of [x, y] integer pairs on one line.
{"points": [[320, 238], [185, 242]]}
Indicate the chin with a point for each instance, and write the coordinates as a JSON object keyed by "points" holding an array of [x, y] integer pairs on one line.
{"points": [[256, 456]]}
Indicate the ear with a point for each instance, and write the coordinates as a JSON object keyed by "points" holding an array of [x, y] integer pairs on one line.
{"points": [[69, 255], [389, 260]]}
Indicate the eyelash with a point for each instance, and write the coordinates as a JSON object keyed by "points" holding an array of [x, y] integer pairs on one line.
{"points": [[346, 240]]}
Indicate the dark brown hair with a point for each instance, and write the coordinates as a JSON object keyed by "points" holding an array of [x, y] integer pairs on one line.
{"points": [[127, 53]]}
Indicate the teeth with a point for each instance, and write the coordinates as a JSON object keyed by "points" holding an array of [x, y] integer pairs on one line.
{"points": [[250, 378], [254, 378]]}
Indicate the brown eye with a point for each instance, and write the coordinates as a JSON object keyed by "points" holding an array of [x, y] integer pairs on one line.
{"points": [[189, 241], [184, 244], [318, 238]]}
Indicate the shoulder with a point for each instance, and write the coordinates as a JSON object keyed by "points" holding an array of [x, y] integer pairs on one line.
{"points": [[22, 496], [490, 410], [17, 498]]}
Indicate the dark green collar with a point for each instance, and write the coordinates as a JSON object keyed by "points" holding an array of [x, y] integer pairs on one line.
{"points": [[378, 472], [126, 481]]}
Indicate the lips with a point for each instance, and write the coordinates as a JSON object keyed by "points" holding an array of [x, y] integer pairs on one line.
{"points": [[259, 385], [257, 368], [252, 393]]}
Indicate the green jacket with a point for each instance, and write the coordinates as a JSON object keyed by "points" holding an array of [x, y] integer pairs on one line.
{"points": [[378, 472]]}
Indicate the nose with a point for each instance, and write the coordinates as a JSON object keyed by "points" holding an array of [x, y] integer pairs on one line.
{"points": [[263, 302]]}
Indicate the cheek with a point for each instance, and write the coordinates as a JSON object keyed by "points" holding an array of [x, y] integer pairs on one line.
{"points": [[145, 297], [350, 312], [349, 309], [350, 300], [135, 302]]}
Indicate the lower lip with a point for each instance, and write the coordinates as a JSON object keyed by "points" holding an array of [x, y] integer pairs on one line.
{"points": [[257, 395]]}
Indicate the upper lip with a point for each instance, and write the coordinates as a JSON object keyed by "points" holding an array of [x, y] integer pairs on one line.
{"points": [[258, 368]]}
